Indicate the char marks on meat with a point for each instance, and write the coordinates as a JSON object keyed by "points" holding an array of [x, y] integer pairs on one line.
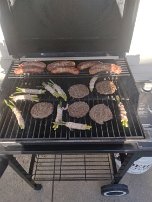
{"points": [[63, 63], [62, 70], [87, 64], [100, 113], [31, 70], [33, 64], [105, 67], [78, 91], [64, 66], [42, 110], [78, 109], [105, 87]]}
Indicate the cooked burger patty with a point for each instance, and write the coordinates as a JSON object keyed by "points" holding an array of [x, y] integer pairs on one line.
{"points": [[41, 110], [105, 87], [78, 91], [100, 113], [78, 109]]}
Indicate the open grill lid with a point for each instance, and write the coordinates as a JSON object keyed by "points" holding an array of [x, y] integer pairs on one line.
{"points": [[68, 28]]}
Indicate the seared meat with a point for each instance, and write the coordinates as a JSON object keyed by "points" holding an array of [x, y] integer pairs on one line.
{"points": [[105, 67], [105, 87], [78, 109], [63, 63], [42, 110], [87, 64], [28, 69], [78, 91], [33, 64], [100, 113], [62, 70]]}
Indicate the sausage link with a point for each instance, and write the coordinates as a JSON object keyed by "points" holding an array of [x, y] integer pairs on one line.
{"points": [[60, 70], [32, 64], [32, 70], [63, 63], [106, 67]]}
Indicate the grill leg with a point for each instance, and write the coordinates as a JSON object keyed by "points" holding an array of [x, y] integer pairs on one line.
{"points": [[14, 164], [127, 162]]}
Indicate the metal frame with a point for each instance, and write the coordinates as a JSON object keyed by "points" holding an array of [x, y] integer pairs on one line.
{"points": [[18, 47], [128, 152]]}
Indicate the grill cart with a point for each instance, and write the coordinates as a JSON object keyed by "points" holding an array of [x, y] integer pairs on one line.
{"points": [[48, 31]]}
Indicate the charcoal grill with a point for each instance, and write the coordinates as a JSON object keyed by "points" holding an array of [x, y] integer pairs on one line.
{"points": [[71, 154]]}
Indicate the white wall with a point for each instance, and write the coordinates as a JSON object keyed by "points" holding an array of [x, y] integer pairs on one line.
{"points": [[142, 37]]}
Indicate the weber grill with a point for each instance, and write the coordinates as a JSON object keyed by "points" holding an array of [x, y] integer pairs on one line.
{"points": [[47, 31]]}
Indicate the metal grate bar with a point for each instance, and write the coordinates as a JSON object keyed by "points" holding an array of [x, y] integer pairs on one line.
{"points": [[129, 113], [6, 114], [46, 74], [111, 121], [57, 168]]}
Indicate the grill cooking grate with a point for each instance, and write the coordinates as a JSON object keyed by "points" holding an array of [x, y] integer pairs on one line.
{"points": [[120, 62], [39, 130], [65, 167]]}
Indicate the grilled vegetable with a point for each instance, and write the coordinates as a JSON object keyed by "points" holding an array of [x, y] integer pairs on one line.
{"points": [[30, 91], [78, 126], [17, 113], [123, 113], [33, 98], [58, 89], [59, 114], [92, 82], [50, 89]]}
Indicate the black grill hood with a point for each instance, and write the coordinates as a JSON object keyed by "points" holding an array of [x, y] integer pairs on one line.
{"points": [[68, 27]]}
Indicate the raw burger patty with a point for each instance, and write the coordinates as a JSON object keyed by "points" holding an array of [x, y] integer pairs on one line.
{"points": [[105, 87], [78, 91], [41, 110], [100, 113], [78, 109]]}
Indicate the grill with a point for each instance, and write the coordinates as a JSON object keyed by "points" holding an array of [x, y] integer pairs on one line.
{"points": [[38, 130], [34, 31]]}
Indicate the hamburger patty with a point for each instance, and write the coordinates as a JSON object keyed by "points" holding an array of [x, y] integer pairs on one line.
{"points": [[105, 87], [100, 113], [78, 91], [41, 110], [78, 109]]}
